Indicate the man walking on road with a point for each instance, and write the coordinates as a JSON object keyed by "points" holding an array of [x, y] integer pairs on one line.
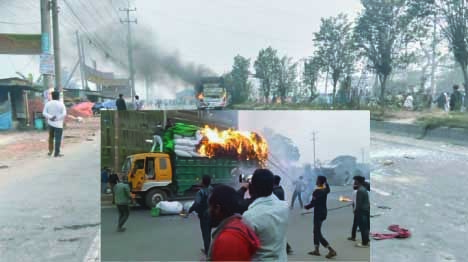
{"points": [[120, 103], [113, 180], [233, 240], [300, 187], [55, 113], [201, 207], [319, 203], [268, 216], [122, 200], [362, 210]]}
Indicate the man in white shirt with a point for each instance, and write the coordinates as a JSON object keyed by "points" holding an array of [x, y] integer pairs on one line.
{"points": [[55, 112], [138, 103], [268, 216]]}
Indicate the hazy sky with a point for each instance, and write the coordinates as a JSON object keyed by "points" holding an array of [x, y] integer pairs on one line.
{"points": [[202, 31], [338, 132]]}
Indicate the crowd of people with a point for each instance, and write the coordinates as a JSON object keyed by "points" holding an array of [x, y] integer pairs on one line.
{"points": [[251, 222]]}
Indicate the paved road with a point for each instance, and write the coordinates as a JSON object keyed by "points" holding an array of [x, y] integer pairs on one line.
{"points": [[426, 191], [49, 207], [175, 238]]}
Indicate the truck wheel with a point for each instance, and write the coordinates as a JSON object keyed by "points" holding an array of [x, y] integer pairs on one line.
{"points": [[153, 197]]}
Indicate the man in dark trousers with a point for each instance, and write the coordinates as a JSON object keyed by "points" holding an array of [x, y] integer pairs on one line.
{"points": [[123, 198], [319, 203], [456, 99], [362, 210], [113, 180], [299, 188], [120, 103], [201, 207], [55, 112], [278, 191]]}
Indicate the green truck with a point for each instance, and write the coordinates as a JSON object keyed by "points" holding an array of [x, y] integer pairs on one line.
{"points": [[162, 174]]}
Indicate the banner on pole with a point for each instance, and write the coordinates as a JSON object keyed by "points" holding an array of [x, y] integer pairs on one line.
{"points": [[47, 64]]}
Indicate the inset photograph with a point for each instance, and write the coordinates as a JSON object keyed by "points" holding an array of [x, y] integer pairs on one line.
{"points": [[235, 185]]}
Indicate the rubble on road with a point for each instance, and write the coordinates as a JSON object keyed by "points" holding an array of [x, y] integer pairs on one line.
{"points": [[388, 162]]}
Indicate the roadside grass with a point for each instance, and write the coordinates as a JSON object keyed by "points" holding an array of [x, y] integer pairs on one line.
{"points": [[451, 120]]}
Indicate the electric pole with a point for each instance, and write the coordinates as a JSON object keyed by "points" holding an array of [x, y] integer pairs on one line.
{"points": [[81, 61], [45, 37], [314, 139], [129, 46], [55, 28]]}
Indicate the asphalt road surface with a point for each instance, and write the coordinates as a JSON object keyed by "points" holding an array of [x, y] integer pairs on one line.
{"points": [[425, 185], [49, 207], [168, 238]]}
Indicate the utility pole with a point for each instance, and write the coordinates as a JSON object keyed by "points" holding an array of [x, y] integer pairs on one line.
{"points": [[129, 46], [55, 28], [314, 139], [80, 59], [45, 38]]}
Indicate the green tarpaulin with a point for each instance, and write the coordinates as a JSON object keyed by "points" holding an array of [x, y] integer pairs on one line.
{"points": [[178, 129]]}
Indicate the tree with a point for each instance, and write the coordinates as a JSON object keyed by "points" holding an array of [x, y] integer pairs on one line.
{"points": [[310, 76], [383, 33], [266, 68], [240, 74], [455, 28], [334, 47], [286, 77]]}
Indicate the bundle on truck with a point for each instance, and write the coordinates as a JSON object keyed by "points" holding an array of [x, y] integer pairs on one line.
{"points": [[178, 160]]}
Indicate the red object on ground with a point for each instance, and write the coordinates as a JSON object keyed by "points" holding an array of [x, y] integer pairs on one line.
{"points": [[399, 233], [83, 109], [235, 242]]}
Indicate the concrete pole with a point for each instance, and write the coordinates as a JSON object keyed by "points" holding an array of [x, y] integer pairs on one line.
{"points": [[55, 28], [45, 40]]}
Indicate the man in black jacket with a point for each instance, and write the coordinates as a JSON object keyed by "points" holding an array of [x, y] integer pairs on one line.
{"points": [[201, 207], [319, 203], [120, 103], [362, 210]]}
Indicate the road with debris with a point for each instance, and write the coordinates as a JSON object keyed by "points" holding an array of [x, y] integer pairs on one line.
{"points": [[176, 238], [421, 186], [50, 206]]}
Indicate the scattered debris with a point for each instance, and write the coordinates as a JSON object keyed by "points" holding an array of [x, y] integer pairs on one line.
{"points": [[376, 215], [388, 162], [409, 157], [384, 207], [4, 167], [69, 239], [68, 137], [399, 233], [89, 139], [76, 227]]}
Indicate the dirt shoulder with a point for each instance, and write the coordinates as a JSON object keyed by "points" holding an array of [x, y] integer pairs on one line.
{"points": [[25, 144]]}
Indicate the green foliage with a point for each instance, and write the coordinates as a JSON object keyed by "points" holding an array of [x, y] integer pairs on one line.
{"points": [[335, 47], [310, 76], [453, 120], [266, 68], [383, 33], [238, 79], [286, 78]]}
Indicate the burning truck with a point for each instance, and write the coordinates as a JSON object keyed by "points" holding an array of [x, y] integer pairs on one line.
{"points": [[177, 161]]}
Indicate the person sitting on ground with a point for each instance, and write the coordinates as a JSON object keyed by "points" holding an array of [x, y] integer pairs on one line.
{"points": [[319, 203], [268, 216], [233, 240]]}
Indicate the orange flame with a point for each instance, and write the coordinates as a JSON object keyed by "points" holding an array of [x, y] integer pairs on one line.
{"points": [[233, 143], [345, 199]]}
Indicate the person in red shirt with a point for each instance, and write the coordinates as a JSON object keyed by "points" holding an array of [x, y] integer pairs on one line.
{"points": [[232, 240]]}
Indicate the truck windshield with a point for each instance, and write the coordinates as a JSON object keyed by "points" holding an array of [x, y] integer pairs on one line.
{"points": [[127, 165]]}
